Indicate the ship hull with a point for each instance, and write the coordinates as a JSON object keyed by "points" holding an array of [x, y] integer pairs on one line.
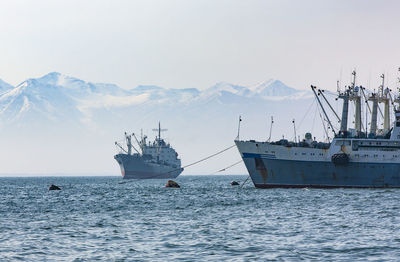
{"points": [[295, 174], [136, 168], [271, 172]]}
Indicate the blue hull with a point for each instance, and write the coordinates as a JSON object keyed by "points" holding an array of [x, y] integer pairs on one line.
{"points": [[269, 173]]}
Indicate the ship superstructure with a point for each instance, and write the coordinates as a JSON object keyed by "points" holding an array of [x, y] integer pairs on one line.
{"points": [[151, 160], [356, 157]]}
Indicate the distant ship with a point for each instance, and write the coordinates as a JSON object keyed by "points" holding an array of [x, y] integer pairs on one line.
{"points": [[151, 160], [354, 158]]}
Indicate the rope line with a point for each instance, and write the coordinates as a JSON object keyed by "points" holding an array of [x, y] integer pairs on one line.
{"points": [[306, 114], [201, 160], [194, 163], [223, 169], [245, 182]]}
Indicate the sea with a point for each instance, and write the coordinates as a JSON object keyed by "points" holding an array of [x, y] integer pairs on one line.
{"points": [[206, 219]]}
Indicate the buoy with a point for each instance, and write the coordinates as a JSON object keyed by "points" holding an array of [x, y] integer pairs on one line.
{"points": [[54, 187], [172, 183], [234, 183]]}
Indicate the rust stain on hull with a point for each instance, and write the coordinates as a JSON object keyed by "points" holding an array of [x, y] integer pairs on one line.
{"points": [[261, 167]]}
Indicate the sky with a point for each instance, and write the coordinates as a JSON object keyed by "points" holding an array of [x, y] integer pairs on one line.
{"points": [[195, 44]]}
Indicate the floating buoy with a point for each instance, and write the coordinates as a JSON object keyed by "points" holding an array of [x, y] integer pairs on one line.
{"points": [[234, 183], [172, 183], [54, 187]]}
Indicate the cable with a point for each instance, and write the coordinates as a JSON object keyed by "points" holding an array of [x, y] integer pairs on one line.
{"points": [[196, 162], [306, 114], [245, 182], [201, 160], [223, 169]]}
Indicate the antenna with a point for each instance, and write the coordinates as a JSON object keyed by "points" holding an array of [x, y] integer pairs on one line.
{"points": [[240, 120], [270, 129], [294, 127], [159, 130], [353, 84], [383, 84]]}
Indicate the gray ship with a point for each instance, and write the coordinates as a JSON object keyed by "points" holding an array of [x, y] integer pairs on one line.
{"points": [[354, 158], [151, 160]]}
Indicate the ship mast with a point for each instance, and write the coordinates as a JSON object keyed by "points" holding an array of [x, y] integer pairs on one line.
{"points": [[374, 116], [397, 98], [356, 97], [345, 112], [383, 97], [159, 130], [129, 144]]}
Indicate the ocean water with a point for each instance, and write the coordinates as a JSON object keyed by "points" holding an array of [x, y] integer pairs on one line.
{"points": [[107, 219]]}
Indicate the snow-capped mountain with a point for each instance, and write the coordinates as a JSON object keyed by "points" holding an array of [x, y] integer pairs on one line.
{"points": [[58, 97], [159, 95], [274, 88], [222, 87], [70, 125], [55, 97]]}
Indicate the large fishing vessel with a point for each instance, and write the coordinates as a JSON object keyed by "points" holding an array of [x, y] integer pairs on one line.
{"points": [[354, 157], [151, 160]]}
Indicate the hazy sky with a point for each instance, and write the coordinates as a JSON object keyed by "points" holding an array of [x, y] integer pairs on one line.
{"points": [[184, 44]]}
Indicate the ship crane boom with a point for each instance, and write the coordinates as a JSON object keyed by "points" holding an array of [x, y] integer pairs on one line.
{"points": [[323, 109], [137, 141], [330, 106], [123, 149]]}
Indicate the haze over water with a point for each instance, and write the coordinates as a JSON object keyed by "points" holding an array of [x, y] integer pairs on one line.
{"points": [[105, 218]]}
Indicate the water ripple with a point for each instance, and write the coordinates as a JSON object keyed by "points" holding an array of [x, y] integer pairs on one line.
{"points": [[100, 218]]}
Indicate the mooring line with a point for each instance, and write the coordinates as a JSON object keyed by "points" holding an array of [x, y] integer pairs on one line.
{"points": [[194, 163], [204, 159], [223, 169], [245, 182]]}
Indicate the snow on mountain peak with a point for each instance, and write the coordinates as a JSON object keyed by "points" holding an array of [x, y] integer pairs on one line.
{"points": [[146, 88], [52, 78], [59, 96], [261, 86], [227, 87], [273, 88]]}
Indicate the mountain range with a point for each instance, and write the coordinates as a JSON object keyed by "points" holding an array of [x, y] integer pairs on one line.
{"points": [[59, 97], [70, 125]]}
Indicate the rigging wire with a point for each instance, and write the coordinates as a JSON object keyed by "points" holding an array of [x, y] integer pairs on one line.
{"points": [[194, 163], [308, 110], [208, 157], [224, 169], [323, 123], [313, 123], [241, 186]]}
